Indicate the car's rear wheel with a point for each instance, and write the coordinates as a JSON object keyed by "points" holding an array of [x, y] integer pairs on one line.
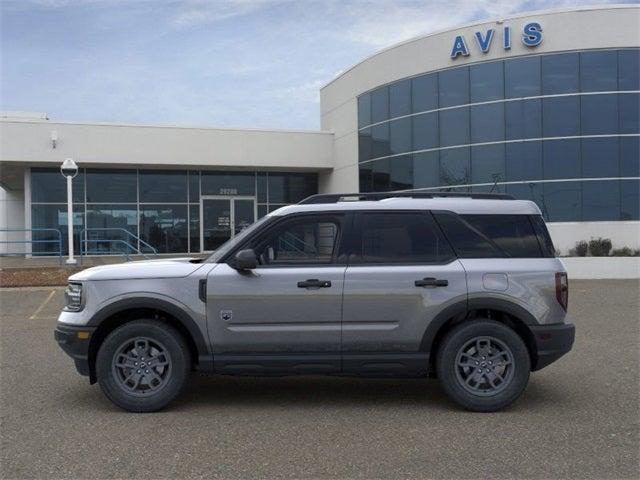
{"points": [[143, 365], [483, 365]]}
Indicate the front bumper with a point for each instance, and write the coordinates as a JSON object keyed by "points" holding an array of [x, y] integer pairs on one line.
{"points": [[552, 342], [75, 343]]}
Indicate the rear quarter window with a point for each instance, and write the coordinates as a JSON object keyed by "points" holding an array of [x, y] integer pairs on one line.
{"points": [[491, 236]]}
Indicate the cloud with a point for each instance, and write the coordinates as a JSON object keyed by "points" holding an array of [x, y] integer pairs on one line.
{"points": [[199, 12]]}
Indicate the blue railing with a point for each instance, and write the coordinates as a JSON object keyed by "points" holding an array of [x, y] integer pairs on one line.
{"points": [[57, 241], [131, 243]]}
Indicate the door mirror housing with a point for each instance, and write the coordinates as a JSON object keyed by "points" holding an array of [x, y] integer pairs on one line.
{"points": [[245, 260]]}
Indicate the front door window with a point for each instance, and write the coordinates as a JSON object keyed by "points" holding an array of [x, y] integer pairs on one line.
{"points": [[223, 218]]}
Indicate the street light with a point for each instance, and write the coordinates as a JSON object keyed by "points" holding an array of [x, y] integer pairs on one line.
{"points": [[69, 169]]}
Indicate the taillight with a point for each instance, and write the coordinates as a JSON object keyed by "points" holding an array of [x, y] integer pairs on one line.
{"points": [[562, 289]]}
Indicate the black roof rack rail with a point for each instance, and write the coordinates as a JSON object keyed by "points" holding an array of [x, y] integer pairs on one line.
{"points": [[357, 197]]}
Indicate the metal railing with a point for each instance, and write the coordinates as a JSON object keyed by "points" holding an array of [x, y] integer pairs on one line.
{"points": [[131, 244], [31, 241]]}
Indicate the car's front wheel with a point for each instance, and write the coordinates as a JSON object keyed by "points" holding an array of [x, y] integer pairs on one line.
{"points": [[483, 365], [143, 365]]}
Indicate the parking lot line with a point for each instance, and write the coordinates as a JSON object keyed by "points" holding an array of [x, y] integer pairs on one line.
{"points": [[42, 305]]}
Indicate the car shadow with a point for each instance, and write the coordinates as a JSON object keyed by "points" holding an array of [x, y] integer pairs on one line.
{"points": [[205, 391]]}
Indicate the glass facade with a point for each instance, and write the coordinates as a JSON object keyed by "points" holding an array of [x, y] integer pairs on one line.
{"points": [[114, 207], [559, 129]]}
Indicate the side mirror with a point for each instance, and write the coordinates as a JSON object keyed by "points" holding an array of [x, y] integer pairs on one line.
{"points": [[245, 260]]}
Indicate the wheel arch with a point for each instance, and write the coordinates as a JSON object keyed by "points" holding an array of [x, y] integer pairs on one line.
{"points": [[123, 311], [503, 311]]}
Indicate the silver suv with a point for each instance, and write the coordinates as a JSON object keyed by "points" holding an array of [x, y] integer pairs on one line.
{"points": [[463, 287]]}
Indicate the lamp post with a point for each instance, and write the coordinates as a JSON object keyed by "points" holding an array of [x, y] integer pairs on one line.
{"points": [[69, 169]]}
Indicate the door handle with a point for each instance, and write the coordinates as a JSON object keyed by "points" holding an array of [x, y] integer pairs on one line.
{"points": [[314, 283], [431, 282]]}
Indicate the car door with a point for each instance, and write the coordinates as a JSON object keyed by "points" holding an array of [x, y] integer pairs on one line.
{"points": [[401, 274], [285, 315]]}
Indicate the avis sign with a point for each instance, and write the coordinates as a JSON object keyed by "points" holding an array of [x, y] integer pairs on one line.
{"points": [[531, 37]]}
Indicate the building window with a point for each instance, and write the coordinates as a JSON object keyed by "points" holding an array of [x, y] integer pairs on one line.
{"points": [[487, 81], [166, 227], [49, 186], [560, 73], [380, 105], [522, 77], [424, 93], [218, 183], [163, 186], [599, 71], [400, 99], [453, 87], [112, 186]]}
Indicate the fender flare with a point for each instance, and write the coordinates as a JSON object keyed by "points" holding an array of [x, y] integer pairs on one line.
{"points": [[462, 308], [185, 319]]}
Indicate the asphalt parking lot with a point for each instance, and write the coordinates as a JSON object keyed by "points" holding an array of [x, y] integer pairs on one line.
{"points": [[579, 418]]}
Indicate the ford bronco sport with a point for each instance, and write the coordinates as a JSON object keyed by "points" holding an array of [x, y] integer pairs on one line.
{"points": [[462, 287]]}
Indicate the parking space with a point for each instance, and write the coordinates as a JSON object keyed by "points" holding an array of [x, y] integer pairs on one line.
{"points": [[577, 419]]}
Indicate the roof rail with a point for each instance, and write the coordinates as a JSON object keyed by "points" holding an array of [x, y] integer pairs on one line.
{"points": [[357, 197]]}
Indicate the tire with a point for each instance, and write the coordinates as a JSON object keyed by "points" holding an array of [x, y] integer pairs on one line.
{"points": [[494, 350], [128, 380]]}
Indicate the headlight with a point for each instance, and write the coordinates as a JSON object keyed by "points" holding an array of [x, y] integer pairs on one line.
{"points": [[73, 297]]}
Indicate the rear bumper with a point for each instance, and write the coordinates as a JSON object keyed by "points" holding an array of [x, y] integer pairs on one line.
{"points": [[552, 342], [75, 343]]}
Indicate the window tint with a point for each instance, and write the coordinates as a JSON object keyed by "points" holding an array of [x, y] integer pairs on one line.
{"points": [[228, 183], [561, 116], [400, 98], [365, 145], [400, 135], [426, 169], [454, 127], [112, 186], [380, 105], [524, 161], [598, 71], [425, 131], [401, 237], [48, 185], [544, 239], [401, 174], [487, 123], [481, 236], [163, 186], [560, 73], [523, 119], [487, 81], [599, 114], [522, 77], [454, 166], [629, 70], [300, 241], [454, 87], [424, 93]]}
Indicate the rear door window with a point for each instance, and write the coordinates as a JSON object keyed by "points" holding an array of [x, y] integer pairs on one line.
{"points": [[399, 238], [487, 236]]}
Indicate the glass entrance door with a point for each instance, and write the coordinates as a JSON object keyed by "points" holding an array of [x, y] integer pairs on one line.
{"points": [[224, 217]]}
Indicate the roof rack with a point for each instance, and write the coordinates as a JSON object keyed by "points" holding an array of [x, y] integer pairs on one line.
{"points": [[358, 197]]}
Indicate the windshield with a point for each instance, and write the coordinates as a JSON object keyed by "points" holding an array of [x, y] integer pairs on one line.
{"points": [[230, 244]]}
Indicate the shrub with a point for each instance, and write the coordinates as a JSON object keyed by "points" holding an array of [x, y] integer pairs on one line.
{"points": [[625, 252], [600, 247], [580, 250]]}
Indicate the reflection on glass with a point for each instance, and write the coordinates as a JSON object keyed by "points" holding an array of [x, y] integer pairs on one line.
{"points": [[112, 186], [163, 186], [400, 98], [49, 186], [454, 166], [216, 223], [54, 217], [599, 114], [107, 226], [165, 227], [598, 71]]}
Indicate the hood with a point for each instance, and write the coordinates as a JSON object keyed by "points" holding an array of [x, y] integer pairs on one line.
{"points": [[163, 268]]}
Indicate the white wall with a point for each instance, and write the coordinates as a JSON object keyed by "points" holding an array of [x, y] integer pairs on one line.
{"points": [[29, 141], [587, 268], [11, 217], [622, 234]]}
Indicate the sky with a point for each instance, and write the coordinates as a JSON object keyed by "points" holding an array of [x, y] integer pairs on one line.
{"points": [[218, 63]]}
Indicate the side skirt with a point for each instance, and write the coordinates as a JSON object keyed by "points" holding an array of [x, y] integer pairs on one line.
{"points": [[414, 364]]}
